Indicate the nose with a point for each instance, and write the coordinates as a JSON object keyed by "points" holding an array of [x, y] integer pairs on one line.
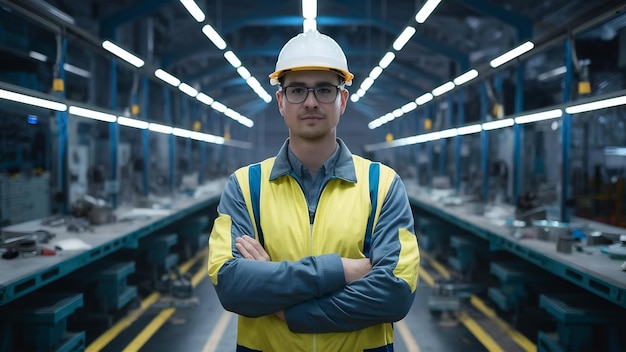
{"points": [[311, 99]]}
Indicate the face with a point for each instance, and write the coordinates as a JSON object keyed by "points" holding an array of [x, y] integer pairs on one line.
{"points": [[311, 120]]}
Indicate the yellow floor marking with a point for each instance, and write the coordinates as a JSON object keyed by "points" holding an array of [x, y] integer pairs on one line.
{"points": [[149, 330], [424, 275], [490, 344], [218, 332], [515, 335], [109, 335], [405, 333], [440, 268]]}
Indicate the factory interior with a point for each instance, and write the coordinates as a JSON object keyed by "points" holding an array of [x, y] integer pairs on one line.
{"points": [[122, 120]]}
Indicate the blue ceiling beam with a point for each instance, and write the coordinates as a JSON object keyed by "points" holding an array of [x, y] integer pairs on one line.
{"points": [[523, 24], [130, 13]]}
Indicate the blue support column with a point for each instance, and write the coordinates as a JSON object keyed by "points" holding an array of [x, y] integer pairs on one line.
{"points": [[418, 146], [518, 166], [184, 118], [113, 135], [62, 128], [484, 138], [167, 101], [429, 149], [459, 141], [145, 137], [566, 134]]}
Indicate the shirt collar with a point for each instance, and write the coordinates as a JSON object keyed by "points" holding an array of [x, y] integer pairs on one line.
{"points": [[339, 165]]}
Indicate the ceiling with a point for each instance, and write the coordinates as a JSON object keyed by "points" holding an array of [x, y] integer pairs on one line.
{"points": [[459, 35]]}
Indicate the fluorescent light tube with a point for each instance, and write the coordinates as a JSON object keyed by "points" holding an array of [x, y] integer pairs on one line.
{"points": [[187, 89], [92, 114], [216, 105], [309, 9], [205, 99], [355, 97], [367, 83], [601, 104], [38, 56], [214, 36], [76, 70], [444, 88], [232, 114], [375, 72], [180, 132], [512, 54], [27, 99], [426, 10], [232, 59], [397, 112], [193, 9], [492, 125], [155, 127], [387, 59], [403, 38], [243, 72], [309, 25], [466, 77], [374, 124], [167, 77], [125, 121], [552, 73], [452, 132], [254, 83], [409, 107], [469, 129], [544, 115], [122, 54], [423, 99]]}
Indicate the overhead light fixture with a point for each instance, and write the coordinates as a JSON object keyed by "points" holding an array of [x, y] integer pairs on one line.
{"points": [[243, 72], [76, 70], [180, 132], [552, 73], [409, 107], [601, 104], [444, 88], [216, 105], [423, 99], [203, 98], [544, 115], [122, 54], [187, 89], [38, 56], [193, 9], [512, 54], [232, 59], [155, 127], [426, 10], [125, 121], [492, 125], [167, 77], [375, 72], [92, 114], [30, 100], [387, 59], [469, 129], [452, 132], [403, 38], [367, 83], [217, 40], [309, 25], [309, 9], [466, 77]]}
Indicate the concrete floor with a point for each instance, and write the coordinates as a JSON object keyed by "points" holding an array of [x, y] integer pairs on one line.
{"points": [[201, 324]]}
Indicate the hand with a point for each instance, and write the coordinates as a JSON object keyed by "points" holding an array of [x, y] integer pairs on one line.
{"points": [[251, 248], [354, 269]]}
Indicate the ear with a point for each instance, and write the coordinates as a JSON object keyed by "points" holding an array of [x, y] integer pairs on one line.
{"points": [[344, 100], [279, 100]]}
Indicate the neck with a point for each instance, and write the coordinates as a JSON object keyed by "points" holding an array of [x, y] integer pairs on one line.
{"points": [[313, 154]]}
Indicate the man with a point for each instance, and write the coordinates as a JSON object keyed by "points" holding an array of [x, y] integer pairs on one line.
{"points": [[314, 248]]}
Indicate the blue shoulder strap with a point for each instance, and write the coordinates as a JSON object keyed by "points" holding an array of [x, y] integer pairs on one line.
{"points": [[374, 175], [254, 180]]}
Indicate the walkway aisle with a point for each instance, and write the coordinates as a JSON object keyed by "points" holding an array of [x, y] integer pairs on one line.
{"points": [[202, 325]]}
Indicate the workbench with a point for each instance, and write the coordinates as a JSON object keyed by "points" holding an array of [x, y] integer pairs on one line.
{"points": [[21, 276], [592, 270]]}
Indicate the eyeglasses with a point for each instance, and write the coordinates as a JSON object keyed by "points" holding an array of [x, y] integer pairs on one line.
{"points": [[323, 94]]}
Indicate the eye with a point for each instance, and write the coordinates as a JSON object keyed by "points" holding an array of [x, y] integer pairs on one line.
{"points": [[296, 90], [324, 90]]}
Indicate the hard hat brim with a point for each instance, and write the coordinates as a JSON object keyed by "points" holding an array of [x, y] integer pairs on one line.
{"points": [[346, 75]]}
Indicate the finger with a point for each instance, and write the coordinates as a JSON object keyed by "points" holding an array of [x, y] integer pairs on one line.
{"points": [[248, 245], [254, 248], [242, 250]]}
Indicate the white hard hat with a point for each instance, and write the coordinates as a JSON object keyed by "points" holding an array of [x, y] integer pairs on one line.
{"points": [[311, 50]]}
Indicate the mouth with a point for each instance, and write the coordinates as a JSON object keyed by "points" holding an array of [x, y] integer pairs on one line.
{"points": [[311, 117]]}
